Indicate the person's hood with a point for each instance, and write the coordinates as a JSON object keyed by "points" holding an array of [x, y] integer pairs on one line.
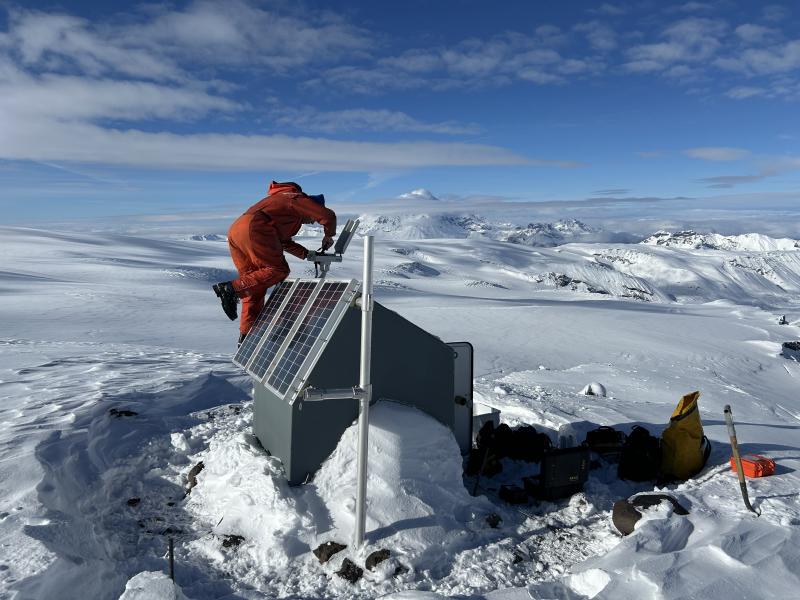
{"points": [[287, 186]]}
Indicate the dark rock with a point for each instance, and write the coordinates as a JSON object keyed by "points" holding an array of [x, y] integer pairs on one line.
{"points": [[192, 476], [119, 413], [376, 558], [134, 501], [323, 552], [350, 571], [513, 494], [625, 513], [170, 503], [232, 540], [400, 570], [791, 350], [493, 520]]}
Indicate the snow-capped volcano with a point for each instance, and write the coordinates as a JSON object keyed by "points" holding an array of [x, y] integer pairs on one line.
{"points": [[419, 194]]}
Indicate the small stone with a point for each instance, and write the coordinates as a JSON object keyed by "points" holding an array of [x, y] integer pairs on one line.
{"points": [[170, 503], [400, 570], [376, 558], [350, 571], [493, 520], [119, 413], [134, 501], [192, 477], [323, 552], [232, 540]]}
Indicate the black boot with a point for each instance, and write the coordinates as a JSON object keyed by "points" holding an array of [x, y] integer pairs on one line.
{"points": [[227, 295]]}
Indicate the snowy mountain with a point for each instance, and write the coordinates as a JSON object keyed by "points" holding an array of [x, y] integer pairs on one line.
{"points": [[414, 226], [116, 382], [714, 241]]}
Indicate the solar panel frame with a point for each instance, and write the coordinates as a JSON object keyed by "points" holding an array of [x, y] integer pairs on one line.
{"points": [[280, 293], [272, 345], [311, 335]]}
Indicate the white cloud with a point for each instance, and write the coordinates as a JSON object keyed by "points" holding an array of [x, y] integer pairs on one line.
{"points": [[310, 119], [600, 36], [59, 97], [154, 47], [499, 60], [751, 33], [242, 33], [688, 40], [63, 78], [745, 91], [80, 142], [610, 9], [717, 153], [729, 181], [63, 42]]}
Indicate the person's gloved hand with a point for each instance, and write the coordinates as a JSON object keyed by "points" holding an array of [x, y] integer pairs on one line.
{"points": [[311, 255], [327, 242]]}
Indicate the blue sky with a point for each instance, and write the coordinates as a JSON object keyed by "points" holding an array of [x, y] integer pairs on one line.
{"points": [[127, 108]]}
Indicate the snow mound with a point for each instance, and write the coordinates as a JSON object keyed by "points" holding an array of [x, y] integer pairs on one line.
{"points": [[594, 389], [152, 585], [415, 469], [753, 242], [420, 194]]}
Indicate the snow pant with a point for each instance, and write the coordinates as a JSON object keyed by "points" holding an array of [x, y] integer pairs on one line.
{"points": [[257, 252]]}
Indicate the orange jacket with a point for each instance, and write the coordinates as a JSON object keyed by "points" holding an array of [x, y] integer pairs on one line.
{"points": [[286, 207]]}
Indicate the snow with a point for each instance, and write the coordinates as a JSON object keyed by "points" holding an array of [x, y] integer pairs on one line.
{"points": [[97, 325], [151, 585]]}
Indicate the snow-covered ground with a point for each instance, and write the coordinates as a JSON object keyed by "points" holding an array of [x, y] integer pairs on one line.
{"points": [[95, 327]]}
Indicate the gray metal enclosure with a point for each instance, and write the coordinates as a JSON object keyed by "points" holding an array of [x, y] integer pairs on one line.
{"points": [[409, 365]]}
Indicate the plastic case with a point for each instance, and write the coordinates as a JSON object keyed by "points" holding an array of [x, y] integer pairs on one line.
{"points": [[755, 465]]}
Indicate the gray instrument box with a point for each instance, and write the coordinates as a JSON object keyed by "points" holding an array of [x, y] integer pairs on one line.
{"points": [[409, 366]]}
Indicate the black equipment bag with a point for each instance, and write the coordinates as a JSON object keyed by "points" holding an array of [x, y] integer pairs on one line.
{"points": [[606, 441], [640, 459], [563, 473]]}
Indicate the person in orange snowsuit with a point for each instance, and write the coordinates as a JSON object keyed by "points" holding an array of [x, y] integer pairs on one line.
{"points": [[257, 241]]}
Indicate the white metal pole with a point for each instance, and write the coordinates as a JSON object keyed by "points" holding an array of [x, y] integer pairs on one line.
{"points": [[366, 385]]}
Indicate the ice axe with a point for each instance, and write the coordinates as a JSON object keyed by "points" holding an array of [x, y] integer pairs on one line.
{"points": [[738, 459]]}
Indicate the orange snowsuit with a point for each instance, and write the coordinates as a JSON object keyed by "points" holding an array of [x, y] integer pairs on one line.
{"points": [[258, 239]]}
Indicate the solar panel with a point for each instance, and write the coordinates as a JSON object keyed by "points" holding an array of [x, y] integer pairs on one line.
{"points": [[271, 306], [306, 336], [292, 330], [281, 326]]}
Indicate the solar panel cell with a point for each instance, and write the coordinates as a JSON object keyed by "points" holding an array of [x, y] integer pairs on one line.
{"points": [[271, 306], [306, 335], [282, 325]]}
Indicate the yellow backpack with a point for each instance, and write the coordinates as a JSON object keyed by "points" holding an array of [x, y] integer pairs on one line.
{"points": [[684, 448]]}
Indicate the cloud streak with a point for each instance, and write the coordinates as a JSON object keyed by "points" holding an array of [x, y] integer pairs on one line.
{"points": [[717, 153], [81, 142]]}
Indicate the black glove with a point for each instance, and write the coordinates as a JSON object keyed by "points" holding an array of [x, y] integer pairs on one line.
{"points": [[311, 255], [327, 242]]}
